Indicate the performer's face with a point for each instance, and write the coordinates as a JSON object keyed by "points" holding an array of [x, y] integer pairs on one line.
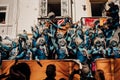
{"points": [[62, 43], [114, 43], [42, 41]]}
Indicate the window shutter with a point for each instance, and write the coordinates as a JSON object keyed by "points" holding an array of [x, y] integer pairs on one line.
{"points": [[43, 8], [64, 7]]}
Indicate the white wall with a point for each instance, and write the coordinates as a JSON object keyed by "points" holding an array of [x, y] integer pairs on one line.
{"points": [[27, 14], [78, 11]]}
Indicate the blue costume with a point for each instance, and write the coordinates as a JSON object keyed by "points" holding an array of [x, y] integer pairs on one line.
{"points": [[62, 51], [40, 51], [4, 51], [98, 50], [90, 36], [80, 34], [36, 35], [38, 54], [113, 12], [80, 51], [108, 35], [81, 55], [113, 50]]}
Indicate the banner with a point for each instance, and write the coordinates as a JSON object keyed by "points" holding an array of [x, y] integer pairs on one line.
{"points": [[36, 70], [89, 21]]}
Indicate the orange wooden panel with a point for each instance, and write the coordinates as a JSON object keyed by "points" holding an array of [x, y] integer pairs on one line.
{"points": [[110, 68], [105, 66], [117, 69], [63, 68]]}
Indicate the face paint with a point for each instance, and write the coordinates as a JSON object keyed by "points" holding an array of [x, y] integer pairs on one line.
{"points": [[114, 43], [101, 35], [59, 36], [79, 32], [87, 32], [62, 42], [45, 31], [71, 32], [82, 45], [91, 35], [98, 44], [66, 19], [42, 41]]}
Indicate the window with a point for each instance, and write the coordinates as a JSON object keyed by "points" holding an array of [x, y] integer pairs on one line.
{"points": [[97, 8], [59, 7], [3, 12], [54, 6]]}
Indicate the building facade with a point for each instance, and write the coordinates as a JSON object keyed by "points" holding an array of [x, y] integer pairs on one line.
{"points": [[19, 15]]}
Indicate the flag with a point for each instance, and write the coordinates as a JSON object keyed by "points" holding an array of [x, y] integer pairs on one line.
{"points": [[102, 21], [61, 21], [89, 22]]}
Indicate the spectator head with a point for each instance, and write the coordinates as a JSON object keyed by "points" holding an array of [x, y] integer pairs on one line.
{"points": [[51, 15], [51, 70], [111, 4]]}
